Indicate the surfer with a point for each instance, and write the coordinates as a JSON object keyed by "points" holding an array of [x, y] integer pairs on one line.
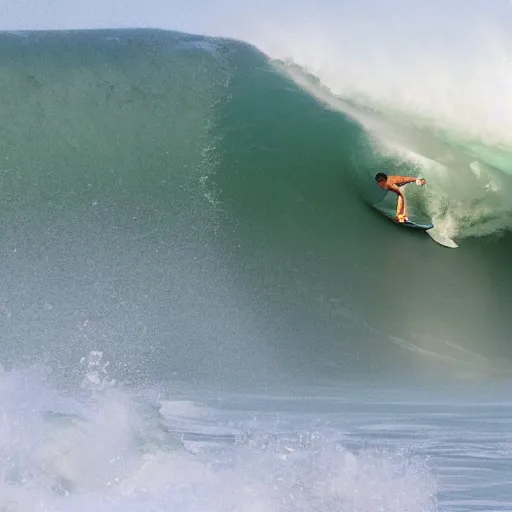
{"points": [[393, 184]]}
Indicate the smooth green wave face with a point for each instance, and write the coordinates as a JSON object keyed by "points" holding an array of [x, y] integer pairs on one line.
{"points": [[196, 211]]}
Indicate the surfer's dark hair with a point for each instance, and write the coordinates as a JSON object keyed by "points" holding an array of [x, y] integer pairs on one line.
{"points": [[381, 177]]}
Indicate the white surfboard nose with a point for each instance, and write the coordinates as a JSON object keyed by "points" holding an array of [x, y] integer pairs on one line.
{"points": [[441, 239]]}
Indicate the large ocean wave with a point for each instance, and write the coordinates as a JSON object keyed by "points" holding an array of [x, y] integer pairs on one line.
{"points": [[437, 78], [182, 213], [189, 193]]}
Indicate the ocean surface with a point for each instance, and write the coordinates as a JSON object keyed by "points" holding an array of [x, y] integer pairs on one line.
{"points": [[201, 311]]}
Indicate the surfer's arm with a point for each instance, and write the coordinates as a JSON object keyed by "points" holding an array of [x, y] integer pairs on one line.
{"points": [[404, 180], [396, 189]]}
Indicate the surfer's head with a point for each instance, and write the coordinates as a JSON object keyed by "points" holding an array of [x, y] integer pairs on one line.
{"points": [[381, 178]]}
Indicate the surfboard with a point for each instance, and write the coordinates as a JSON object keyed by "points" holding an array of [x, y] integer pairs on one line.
{"points": [[428, 227], [441, 239], [412, 224], [407, 224]]}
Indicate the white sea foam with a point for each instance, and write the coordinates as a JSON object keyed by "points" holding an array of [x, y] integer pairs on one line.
{"points": [[104, 448]]}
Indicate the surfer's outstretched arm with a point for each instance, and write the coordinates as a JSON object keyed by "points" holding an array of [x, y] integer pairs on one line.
{"points": [[403, 180]]}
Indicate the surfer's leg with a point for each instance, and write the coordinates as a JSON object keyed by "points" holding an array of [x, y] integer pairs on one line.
{"points": [[404, 209], [401, 213]]}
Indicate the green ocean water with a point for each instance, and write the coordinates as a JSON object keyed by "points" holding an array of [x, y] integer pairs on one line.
{"points": [[183, 205]]}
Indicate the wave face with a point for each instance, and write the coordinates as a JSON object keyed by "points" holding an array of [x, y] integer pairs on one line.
{"points": [[195, 211], [436, 78], [201, 311]]}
